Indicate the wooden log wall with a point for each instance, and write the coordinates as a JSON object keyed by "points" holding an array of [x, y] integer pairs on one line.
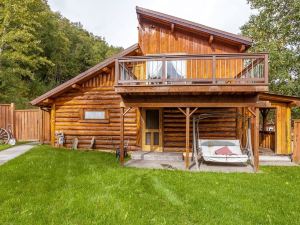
{"points": [[158, 39], [211, 128], [97, 93]]}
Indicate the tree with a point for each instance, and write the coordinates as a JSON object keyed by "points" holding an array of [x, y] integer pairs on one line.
{"points": [[40, 49], [20, 49], [275, 28]]}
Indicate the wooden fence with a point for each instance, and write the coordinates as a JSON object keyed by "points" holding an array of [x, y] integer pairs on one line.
{"points": [[267, 139], [296, 147], [26, 125]]}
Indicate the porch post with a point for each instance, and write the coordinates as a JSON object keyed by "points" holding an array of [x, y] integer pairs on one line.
{"points": [[122, 135], [256, 140], [187, 137]]}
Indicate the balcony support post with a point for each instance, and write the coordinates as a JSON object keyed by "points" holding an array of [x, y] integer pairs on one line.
{"points": [[214, 69], [164, 77], [266, 69]]}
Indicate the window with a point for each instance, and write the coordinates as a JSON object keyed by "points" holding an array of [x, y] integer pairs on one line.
{"points": [[175, 69], [94, 115], [154, 69]]}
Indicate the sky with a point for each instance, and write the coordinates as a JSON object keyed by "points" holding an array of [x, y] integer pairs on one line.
{"points": [[116, 20]]}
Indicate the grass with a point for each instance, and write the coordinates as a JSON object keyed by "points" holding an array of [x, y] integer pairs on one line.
{"points": [[54, 186]]}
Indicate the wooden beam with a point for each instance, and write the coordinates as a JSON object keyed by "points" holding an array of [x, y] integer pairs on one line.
{"points": [[172, 28], [52, 124], [77, 86], [212, 88], [195, 109], [122, 136], [48, 101], [187, 138], [210, 40], [127, 111], [213, 101], [242, 48], [181, 110], [256, 140], [251, 111], [106, 70]]}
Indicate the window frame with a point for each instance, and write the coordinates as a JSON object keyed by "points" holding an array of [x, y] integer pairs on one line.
{"points": [[84, 120]]}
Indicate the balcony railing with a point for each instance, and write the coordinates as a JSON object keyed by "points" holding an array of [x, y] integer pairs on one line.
{"points": [[204, 69]]}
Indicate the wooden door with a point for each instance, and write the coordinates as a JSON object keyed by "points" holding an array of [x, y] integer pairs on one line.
{"points": [[152, 130]]}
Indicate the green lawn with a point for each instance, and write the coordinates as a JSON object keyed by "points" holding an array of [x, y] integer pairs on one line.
{"points": [[47, 186]]}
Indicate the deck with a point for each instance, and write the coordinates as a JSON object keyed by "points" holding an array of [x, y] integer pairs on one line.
{"points": [[237, 72]]}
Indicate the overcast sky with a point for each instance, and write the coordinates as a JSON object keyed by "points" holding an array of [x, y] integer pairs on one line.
{"points": [[116, 19]]}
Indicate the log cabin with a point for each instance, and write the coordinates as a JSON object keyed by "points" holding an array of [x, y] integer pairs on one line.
{"points": [[146, 96]]}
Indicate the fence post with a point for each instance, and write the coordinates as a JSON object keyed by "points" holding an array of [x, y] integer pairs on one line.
{"points": [[12, 118], [296, 148], [52, 125], [41, 126]]}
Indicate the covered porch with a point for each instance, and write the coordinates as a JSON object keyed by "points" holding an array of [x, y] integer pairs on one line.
{"points": [[171, 131]]}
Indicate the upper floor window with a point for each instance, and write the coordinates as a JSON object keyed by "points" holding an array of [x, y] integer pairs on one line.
{"points": [[175, 69]]}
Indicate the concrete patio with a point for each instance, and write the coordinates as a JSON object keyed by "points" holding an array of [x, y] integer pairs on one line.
{"points": [[174, 161]]}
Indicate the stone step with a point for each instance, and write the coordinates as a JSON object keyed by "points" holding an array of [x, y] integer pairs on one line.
{"points": [[157, 156], [274, 158]]}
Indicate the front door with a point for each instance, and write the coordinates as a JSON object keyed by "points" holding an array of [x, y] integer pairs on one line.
{"points": [[152, 129]]}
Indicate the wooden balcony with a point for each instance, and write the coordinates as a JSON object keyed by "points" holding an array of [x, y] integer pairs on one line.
{"points": [[192, 73]]}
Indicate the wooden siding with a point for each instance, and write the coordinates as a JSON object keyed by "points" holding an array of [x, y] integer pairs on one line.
{"points": [[211, 128], [157, 39], [267, 139], [97, 93], [6, 115]]}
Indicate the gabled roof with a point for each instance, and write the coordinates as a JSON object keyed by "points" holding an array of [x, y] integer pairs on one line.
{"points": [[195, 27], [82, 76]]}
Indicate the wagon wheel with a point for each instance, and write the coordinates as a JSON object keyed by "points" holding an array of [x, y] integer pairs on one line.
{"points": [[4, 136]]}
